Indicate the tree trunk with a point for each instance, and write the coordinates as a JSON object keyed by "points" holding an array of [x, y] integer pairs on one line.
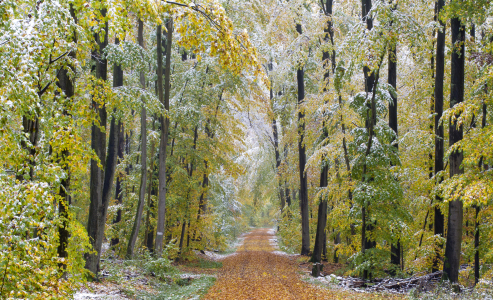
{"points": [[454, 233], [395, 248], [117, 82], [118, 185], [98, 144], [439, 220], [164, 132], [278, 162], [190, 176], [143, 136], [67, 85], [320, 236], [367, 226], [305, 230]]}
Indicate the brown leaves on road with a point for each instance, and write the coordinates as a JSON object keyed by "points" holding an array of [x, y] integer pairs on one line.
{"points": [[257, 273]]}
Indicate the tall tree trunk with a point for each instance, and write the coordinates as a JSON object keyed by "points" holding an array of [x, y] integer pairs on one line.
{"points": [[117, 82], [367, 226], [395, 248], [287, 192], [143, 170], [478, 209], [278, 162], [67, 85], [454, 233], [190, 176], [439, 220], [321, 236], [118, 186], [151, 191], [276, 147], [98, 144], [305, 222], [161, 217]]}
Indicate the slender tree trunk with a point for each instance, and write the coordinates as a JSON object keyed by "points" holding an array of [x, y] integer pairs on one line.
{"points": [[439, 220], [287, 192], [278, 161], [118, 185], [305, 230], [190, 176], [321, 236], [454, 233], [367, 226], [143, 136], [117, 82], [395, 248], [164, 132]]}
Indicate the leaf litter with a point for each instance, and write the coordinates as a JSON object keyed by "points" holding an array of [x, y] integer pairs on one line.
{"points": [[258, 271]]}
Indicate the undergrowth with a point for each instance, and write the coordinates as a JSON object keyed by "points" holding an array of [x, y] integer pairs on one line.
{"points": [[183, 289], [206, 264]]}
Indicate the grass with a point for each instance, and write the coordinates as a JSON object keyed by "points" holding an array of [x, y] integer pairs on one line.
{"points": [[185, 289], [206, 264]]}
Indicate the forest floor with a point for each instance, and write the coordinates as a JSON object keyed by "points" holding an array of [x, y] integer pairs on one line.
{"points": [[258, 271]]}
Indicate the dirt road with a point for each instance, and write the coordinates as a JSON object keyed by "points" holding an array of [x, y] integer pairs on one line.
{"points": [[257, 273]]}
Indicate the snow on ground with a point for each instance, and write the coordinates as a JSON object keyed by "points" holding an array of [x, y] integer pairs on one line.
{"points": [[282, 253], [86, 296], [214, 256], [273, 242]]}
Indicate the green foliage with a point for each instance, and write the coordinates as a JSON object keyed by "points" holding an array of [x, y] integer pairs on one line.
{"points": [[206, 264], [160, 267], [193, 289]]}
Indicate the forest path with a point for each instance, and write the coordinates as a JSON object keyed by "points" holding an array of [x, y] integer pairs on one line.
{"points": [[255, 272]]}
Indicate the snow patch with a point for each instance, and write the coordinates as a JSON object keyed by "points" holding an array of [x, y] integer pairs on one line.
{"points": [[214, 256], [85, 296], [281, 253]]}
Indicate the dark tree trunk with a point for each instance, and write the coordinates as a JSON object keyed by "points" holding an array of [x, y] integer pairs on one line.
{"points": [[476, 245], [321, 236], [67, 85], [395, 248], [98, 144], [118, 185], [305, 230], [276, 147], [439, 220], [190, 176], [278, 160], [117, 82], [367, 226], [287, 192], [161, 217], [143, 142], [454, 233], [478, 209]]}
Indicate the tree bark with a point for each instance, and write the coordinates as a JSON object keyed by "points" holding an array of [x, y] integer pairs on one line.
{"points": [[98, 144], [117, 82], [67, 85], [454, 233], [305, 222], [366, 242], [321, 236], [161, 217], [143, 170], [395, 248], [439, 220]]}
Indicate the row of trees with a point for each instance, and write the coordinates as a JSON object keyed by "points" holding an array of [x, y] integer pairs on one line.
{"points": [[122, 122], [364, 97]]}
